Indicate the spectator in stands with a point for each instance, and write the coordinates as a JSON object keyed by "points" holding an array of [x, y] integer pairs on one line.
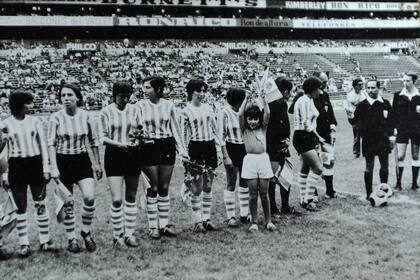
{"points": [[354, 97]]}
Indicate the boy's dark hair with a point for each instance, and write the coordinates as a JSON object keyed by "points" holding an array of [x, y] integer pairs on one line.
{"points": [[195, 85], [253, 112], [17, 99], [311, 84], [157, 83], [283, 84], [356, 82], [121, 87], [76, 91], [235, 96], [413, 76]]}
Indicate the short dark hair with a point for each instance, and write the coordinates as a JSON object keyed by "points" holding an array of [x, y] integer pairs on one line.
{"points": [[17, 99], [377, 83], [413, 76], [235, 96], [76, 91], [311, 84], [195, 85], [283, 84], [253, 111], [157, 83], [121, 87], [356, 82]]}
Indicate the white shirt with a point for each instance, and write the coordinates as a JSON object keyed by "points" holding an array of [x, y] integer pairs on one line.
{"points": [[353, 99]]}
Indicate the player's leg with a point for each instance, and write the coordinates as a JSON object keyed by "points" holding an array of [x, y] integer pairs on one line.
{"points": [[165, 175], [415, 165], [116, 184], [272, 192], [197, 203], [229, 195], [152, 173], [253, 202], [383, 171], [130, 209], [402, 147], [312, 160], [87, 186], [368, 176]]}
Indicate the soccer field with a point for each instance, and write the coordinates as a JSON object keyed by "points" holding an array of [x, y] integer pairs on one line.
{"points": [[347, 239]]}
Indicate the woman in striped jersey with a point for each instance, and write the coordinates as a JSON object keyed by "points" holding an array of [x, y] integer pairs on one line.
{"points": [[68, 130], [28, 165], [305, 141], [122, 162], [198, 125], [233, 150], [161, 126]]}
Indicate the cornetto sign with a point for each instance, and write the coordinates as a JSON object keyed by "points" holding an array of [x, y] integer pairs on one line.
{"points": [[81, 47], [210, 3]]}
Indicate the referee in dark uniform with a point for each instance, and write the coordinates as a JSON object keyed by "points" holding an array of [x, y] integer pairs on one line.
{"points": [[325, 127], [375, 116], [278, 135]]}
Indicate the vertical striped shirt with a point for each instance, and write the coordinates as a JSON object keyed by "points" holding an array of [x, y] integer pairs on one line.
{"points": [[305, 114], [116, 124], [198, 123], [69, 133], [160, 120], [229, 128], [25, 138]]}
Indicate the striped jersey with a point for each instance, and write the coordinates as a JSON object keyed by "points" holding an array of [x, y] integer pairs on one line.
{"points": [[228, 126], [160, 120], [116, 124], [25, 138], [198, 123], [69, 133], [305, 114]]}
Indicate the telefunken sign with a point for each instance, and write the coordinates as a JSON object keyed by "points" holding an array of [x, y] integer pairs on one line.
{"points": [[210, 3]]}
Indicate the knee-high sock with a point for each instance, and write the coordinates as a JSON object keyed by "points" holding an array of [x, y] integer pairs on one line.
{"points": [[253, 207], [415, 170], [88, 212], [22, 229], [43, 221], [152, 212], [117, 221], [400, 173], [329, 184], [301, 180], [312, 182], [368, 183], [383, 175], [196, 207], [69, 222], [284, 198], [229, 198], [130, 216], [272, 197], [243, 195], [207, 201], [163, 208]]}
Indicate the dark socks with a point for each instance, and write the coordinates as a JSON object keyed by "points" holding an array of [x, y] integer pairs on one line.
{"points": [[272, 197], [415, 171], [399, 175], [383, 175], [284, 198], [329, 185], [368, 183]]}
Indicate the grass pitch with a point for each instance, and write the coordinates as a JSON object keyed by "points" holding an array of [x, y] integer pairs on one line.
{"points": [[347, 239]]}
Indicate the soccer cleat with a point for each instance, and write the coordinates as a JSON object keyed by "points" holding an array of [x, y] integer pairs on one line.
{"points": [[270, 226], [253, 228], [330, 196], [73, 246], [398, 187], [4, 255], [118, 242], [24, 251], [289, 210], [48, 247], [131, 241], [232, 222], [168, 231], [89, 242], [209, 226], [414, 187], [154, 233], [245, 220], [199, 228]]}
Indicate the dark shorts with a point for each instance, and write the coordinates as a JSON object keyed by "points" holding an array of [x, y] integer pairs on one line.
{"points": [[74, 168], [119, 162], [160, 152], [236, 153], [24, 172], [304, 141], [203, 153], [405, 137]]}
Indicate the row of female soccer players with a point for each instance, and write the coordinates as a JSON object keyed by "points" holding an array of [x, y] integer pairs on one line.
{"points": [[242, 138]]}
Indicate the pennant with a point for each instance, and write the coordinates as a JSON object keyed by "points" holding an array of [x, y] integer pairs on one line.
{"points": [[63, 199], [284, 175], [8, 216]]}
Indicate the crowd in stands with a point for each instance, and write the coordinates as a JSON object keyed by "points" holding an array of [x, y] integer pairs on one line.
{"points": [[44, 70]]}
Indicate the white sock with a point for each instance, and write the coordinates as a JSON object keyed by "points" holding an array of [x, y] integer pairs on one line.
{"points": [[243, 195], [230, 203]]}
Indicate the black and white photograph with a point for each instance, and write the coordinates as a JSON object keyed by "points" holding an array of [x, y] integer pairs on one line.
{"points": [[209, 139]]}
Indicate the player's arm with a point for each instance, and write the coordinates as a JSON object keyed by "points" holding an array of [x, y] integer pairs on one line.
{"points": [[94, 145], [44, 149], [176, 131], [52, 141], [242, 111]]}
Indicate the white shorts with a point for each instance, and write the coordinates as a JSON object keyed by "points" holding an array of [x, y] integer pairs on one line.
{"points": [[257, 166]]}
